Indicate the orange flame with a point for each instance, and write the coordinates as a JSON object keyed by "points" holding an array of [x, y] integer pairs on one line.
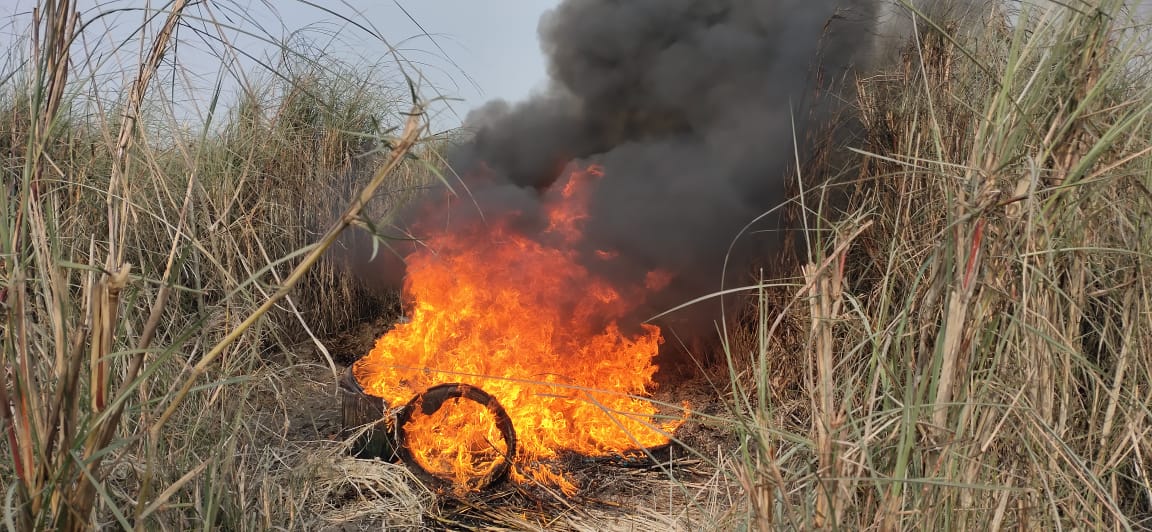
{"points": [[520, 318]]}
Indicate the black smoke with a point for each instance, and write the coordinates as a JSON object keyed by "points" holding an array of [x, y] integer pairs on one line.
{"points": [[700, 112]]}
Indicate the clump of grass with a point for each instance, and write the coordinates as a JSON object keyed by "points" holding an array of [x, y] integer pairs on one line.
{"points": [[978, 313], [147, 268], [362, 491]]}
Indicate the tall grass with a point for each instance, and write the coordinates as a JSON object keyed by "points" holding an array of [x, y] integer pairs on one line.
{"points": [[965, 346], [977, 314], [149, 268]]}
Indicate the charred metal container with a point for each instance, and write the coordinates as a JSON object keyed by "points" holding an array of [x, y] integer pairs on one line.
{"points": [[367, 418]]}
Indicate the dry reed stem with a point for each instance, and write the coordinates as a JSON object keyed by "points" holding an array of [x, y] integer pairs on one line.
{"points": [[825, 293], [105, 320], [27, 425]]}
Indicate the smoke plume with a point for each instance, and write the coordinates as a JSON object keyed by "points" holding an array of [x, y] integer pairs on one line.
{"points": [[699, 112]]}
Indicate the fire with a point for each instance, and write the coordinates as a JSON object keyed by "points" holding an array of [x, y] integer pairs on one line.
{"points": [[522, 319]]}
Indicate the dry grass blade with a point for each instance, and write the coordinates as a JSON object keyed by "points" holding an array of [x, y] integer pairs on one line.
{"points": [[168, 492]]}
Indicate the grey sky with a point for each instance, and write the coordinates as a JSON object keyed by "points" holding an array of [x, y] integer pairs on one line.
{"points": [[474, 51]]}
